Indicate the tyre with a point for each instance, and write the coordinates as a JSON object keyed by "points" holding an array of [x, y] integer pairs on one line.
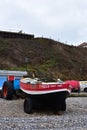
{"points": [[7, 90], [28, 105], [85, 90], [63, 106]]}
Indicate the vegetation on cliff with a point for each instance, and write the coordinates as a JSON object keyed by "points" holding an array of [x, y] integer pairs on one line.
{"points": [[47, 59]]}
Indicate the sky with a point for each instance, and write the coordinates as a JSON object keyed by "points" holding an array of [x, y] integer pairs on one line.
{"points": [[60, 20]]}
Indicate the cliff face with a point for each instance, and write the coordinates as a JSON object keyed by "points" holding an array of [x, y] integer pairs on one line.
{"points": [[47, 59]]}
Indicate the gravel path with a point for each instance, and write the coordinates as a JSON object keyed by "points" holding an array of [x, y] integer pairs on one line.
{"points": [[12, 116]]}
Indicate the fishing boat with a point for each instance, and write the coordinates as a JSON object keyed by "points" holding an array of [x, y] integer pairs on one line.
{"points": [[52, 94]]}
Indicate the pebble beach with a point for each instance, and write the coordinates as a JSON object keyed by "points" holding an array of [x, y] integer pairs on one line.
{"points": [[12, 116]]}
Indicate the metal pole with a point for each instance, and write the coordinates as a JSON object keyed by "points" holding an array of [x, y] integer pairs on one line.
{"points": [[26, 62]]}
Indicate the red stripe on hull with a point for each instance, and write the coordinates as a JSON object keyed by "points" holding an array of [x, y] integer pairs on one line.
{"points": [[43, 87]]}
